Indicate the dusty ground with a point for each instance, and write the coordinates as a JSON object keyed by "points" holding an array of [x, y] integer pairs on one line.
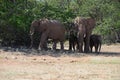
{"points": [[31, 65]]}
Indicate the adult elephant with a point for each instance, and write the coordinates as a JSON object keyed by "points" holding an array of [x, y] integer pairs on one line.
{"points": [[95, 41], [84, 27], [49, 29]]}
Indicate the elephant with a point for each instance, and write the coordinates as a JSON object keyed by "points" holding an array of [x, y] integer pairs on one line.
{"points": [[72, 40], [84, 27], [95, 41], [49, 29]]}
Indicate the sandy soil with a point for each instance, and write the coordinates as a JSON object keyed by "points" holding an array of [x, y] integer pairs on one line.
{"points": [[45, 65]]}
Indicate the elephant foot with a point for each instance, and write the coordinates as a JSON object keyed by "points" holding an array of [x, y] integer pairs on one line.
{"points": [[87, 51], [49, 49], [87, 48], [45, 49], [53, 49], [30, 47], [70, 50], [39, 49], [81, 51], [97, 52]]}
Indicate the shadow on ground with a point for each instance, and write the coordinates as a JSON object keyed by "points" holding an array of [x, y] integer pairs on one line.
{"points": [[57, 53]]}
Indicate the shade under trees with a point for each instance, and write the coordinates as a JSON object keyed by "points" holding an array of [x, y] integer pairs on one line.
{"points": [[17, 15]]}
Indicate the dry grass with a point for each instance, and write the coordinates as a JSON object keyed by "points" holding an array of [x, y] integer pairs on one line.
{"points": [[73, 66]]}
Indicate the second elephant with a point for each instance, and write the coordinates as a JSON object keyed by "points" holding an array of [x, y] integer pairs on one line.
{"points": [[84, 27], [52, 29]]}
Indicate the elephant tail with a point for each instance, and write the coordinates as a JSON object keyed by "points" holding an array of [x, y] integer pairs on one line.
{"points": [[100, 41]]}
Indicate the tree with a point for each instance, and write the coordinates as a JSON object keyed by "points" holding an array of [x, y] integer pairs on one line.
{"points": [[16, 17]]}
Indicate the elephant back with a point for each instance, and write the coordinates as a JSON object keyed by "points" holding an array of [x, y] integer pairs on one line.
{"points": [[96, 38], [54, 29]]}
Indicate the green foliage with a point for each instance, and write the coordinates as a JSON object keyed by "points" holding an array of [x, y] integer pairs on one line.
{"points": [[16, 17]]}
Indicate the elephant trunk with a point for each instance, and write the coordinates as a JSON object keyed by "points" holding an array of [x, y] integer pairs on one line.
{"points": [[31, 31], [31, 35]]}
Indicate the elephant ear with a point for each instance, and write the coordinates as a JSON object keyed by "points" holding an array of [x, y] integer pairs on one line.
{"points": [[91, 22]]}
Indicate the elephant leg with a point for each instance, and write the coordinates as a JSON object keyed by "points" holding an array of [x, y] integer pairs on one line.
{"points": [[45, 45], [80, 47], [31, 44], [74, 46], [96, 48], [70, 45], [80, 44], [62, 45], [43, 41], [87, 42], [77, 45], [91, 47], [54, 44], [86, 46]]}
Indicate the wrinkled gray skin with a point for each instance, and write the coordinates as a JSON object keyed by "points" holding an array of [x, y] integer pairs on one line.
{"points": [[49, 29], [72, 37], [84, 27], [73, 41], [95, 41]]}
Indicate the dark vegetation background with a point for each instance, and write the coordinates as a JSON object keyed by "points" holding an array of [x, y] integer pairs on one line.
{"points": [[17, 15]]}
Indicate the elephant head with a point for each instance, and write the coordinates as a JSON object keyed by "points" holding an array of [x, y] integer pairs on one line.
{"points": [[36, 27], [84, 27], [33, 27]]}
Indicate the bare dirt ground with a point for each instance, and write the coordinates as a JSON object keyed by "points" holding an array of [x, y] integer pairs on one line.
{"points": [[46, 65]]}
